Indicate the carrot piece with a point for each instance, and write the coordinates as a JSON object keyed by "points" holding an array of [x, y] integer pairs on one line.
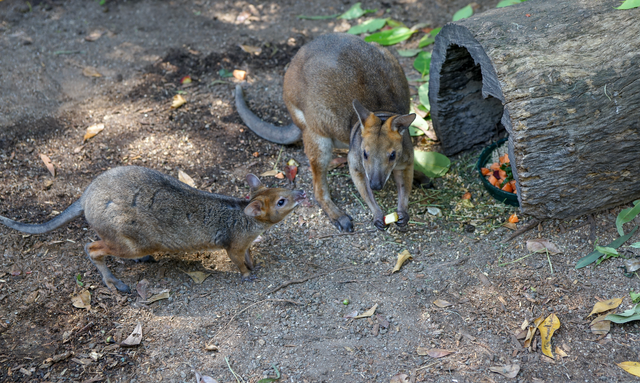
{"points": [[466, 195], [513, 218], [495, 166], [501, 159], [506, 158], [502, 173], [485, 171], [493, 180], [513, 184], [507, 188]]}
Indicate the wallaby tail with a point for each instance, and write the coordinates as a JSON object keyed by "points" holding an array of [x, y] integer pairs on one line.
{"points": [[284, 135], [72, 212]]}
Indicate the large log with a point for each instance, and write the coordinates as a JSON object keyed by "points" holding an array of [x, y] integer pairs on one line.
{"points": [[563, 78]]}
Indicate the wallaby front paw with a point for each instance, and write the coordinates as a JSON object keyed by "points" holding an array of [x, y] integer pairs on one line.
{"points": [[344, 224], [379, 222], [403, 218]]}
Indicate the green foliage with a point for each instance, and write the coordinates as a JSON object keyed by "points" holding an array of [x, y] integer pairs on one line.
{"points": [[269, 380], [367, 26], [79, 280], [595, 255], [390, 36], [432, 164], [627, 215], [635, 297], [629, 4], [626, 316], [324, 17], [225, 73], [506, 3], [422, 63], [463, 13], [423, 95], [429, 38], [355, 11], [608, 252], [409, 52]]}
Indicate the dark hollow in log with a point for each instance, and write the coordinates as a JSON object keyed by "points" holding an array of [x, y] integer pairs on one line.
{"points": [[563, 79]]}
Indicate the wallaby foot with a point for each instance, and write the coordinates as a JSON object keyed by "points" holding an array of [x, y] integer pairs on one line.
{"points": [[96, 252], [378, 222], [146, 258], [403, 218], [252, 276], [344, 223]]}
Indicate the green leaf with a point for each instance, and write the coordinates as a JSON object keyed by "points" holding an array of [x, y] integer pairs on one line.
{"points": [[324, 17], [419, 125], [626, 316], [607, 250], [423, 94], [593, 256], [432, 164], [367, 26], [629, 4], [394, 23], [627, 215], [355, 11], [506, 3], [635, 245], [408, 52], [422, 63], [429, 38], [269, 380], [225, 73], [463, 13], [635, 297], [390, 36]]}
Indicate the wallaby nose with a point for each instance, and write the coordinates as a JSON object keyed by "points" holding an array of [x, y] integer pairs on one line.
{"points": [[299, 195], [376, 184]]}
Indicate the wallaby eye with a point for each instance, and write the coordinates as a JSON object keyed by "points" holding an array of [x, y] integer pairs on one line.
{"points": [[282, 201], [392, 156], [365, 155]]}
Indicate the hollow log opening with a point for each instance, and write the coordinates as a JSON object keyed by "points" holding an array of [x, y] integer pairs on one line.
{"points": [[464, 109]]}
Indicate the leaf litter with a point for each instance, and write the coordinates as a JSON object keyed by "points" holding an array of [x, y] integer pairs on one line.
{"points": [[134, 338], [92, 131], [82, 300], [547, 328], [402, 258]]}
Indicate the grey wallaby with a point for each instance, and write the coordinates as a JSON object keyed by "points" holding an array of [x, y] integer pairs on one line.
{"points": [[332, 85], [138, 211]]}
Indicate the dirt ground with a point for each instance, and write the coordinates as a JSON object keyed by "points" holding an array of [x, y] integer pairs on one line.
{"points": [[142, 51]]}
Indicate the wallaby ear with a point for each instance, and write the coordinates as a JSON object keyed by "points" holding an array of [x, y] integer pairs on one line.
{"points": [[254, 182], [400, 123], [361, 111], [254, 209]]}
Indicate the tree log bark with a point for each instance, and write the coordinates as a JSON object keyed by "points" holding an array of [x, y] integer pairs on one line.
{"points": [[563, 79]]}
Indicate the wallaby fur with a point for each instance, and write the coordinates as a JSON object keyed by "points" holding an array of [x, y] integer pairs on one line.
{"points": [[137, 211], [325, 80]]}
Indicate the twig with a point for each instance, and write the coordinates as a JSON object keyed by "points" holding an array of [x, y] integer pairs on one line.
{"points": [[592, 232], [578, 226], [358, 198], [427, 366], [341, 234], [519, 259], [353, 281], [549, 259], [251, 305], [275, 166], [522, 230], [302, 280], [233, 372]]}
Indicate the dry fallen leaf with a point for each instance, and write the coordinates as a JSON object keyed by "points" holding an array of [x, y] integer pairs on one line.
{"points": [[204, 379], [290, 172], [91, 72], [433, 352], [82, 300], [239, 74], [442, 303], [560, 352], [547, 328], [251, 49], [508, 371], [134, 339], [197, 276], [184, 177], [94, 35], [164, 294], [367, 313], [279, 176], [402, 258], [211, 347], [540, 245], [48, 164], [400, 378], [337, 162], [510, 226], [178, 101], [351, 315], [607, 305], [93, 130], [631, 367], [600, 326], [141, 288], [269, 173]]}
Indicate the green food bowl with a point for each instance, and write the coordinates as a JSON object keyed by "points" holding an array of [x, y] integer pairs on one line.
{"points": [[500, 195]]}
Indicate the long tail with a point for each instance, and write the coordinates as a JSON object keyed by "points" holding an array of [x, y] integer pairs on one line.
{"points": [[284, 135], [72, 212]]}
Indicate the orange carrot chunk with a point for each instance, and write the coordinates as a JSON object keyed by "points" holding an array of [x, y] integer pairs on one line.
{"points": [[485, 171], [506, 158], [493, 180], [495, 166], [502, 173], [513, 218], [507, 188]]}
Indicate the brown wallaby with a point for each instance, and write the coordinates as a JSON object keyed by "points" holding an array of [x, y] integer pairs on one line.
{"points": [[137, 211], [331, 85]]}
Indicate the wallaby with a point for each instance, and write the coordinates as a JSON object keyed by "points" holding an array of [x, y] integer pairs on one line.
{"points": [[331, 85], [137, 211]]}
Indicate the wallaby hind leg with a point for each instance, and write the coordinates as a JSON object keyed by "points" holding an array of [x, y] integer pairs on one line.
{"points": [[240, 257], [96, 252], [404, 182], [318, 150]]}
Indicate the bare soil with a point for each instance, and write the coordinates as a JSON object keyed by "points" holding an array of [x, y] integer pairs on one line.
{"points": [[145, 48]]}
